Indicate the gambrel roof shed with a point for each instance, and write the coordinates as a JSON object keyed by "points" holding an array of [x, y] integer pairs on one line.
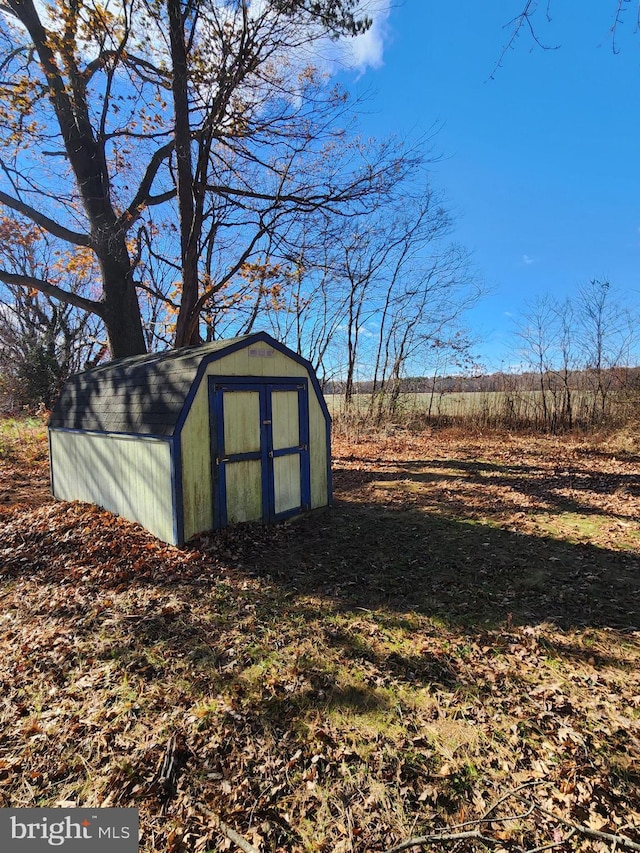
{"points": [[196, 438]]}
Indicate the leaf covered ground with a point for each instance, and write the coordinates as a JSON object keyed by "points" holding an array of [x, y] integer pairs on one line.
{"points": [[457, 639]]}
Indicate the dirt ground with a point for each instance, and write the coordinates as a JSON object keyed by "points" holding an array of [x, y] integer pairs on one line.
{"points": [[504, 527], [474, 528], [453, 647], [26, 487]]}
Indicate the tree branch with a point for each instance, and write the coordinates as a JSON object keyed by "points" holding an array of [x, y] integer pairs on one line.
{"points": [[455, 833], [421, 840], [45, 222], [518, 23], [238, 840], [143, 197], [162, 78], [43, 286], [617, 840], [229, 832]]}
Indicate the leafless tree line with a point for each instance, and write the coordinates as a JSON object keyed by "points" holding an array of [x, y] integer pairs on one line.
{"points": [[578, 352]]}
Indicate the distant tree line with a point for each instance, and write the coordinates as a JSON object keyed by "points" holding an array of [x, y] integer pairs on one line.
{"points": [[619, 379], [582, 344], [365, 324], [577, 368]]}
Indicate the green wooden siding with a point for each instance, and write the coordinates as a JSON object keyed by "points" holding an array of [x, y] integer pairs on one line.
{"points": [[242, 435], [196, 466], [250, 361], [127, 475], [244, 491], [284, 416], [241, 422], [286, 478], [318, 454]]}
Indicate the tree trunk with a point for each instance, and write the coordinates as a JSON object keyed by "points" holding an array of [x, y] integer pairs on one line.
{"points": [[86, 155], [186, 326], [120, 308]]}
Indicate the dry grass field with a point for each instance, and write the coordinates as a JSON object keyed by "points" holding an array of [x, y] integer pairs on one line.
{"points": [[451, 653], [515, 409]]}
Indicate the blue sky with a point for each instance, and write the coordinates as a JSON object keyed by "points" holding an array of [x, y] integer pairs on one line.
{"points": [[540, 162]]}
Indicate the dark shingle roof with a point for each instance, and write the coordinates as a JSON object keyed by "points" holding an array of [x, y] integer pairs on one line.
{"points": [[142, 394]]}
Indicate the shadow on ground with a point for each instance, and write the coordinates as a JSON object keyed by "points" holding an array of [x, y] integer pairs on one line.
{"points": [[401, 556], [467, 574], [570, 489]]}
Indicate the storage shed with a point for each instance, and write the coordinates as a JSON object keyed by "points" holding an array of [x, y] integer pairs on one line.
{"points": [[194, 439]]}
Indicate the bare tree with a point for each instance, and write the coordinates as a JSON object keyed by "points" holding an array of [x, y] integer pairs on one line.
{"points": [[42, 340], [110, 118], [530, 14], [580, 344], [366, 297], [566, 364], [605, 333], [537, 333]]}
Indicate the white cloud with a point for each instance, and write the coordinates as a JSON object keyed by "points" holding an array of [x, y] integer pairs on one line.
{"points": [[367, 50], [365, 333], [364, 51], [528, 260]]}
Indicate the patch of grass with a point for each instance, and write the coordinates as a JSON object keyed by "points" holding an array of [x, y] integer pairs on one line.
{"points": [[576, 527], [23, 440]]}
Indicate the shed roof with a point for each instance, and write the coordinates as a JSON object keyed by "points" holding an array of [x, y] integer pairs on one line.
{"points": [[142, 394]]}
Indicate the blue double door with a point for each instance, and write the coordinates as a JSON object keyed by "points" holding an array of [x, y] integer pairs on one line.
{"points": [[260, 448]]}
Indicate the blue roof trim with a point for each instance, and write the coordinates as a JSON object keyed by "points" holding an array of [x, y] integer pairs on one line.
{"points": [[177, 497], [51, 465]]}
